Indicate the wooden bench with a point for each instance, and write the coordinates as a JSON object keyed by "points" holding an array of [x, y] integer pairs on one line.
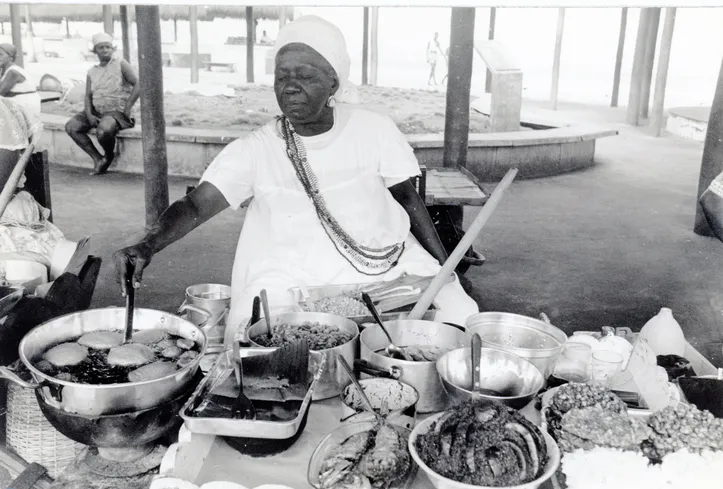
{"points": [[215, 64]]}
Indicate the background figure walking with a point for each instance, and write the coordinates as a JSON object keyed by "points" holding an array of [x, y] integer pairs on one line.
{"points": [[433, 51]]}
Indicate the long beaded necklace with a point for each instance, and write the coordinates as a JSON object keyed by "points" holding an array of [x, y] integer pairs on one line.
{"points": [[366, 260]]}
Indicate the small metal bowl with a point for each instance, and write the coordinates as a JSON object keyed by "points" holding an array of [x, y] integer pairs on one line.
{"points": [[516, 380]]}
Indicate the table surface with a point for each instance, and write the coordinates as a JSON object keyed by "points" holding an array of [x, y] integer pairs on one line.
{"points": [[223, 463]]}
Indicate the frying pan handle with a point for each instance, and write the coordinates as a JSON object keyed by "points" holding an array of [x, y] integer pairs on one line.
{"points": [[369, 368], [8, 374]]}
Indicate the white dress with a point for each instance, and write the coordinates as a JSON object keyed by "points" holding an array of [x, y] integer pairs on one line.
{"points": [[25, 93], [283, 243]]}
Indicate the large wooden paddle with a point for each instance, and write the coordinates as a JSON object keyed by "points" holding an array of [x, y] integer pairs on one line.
{"points": [[12, 183], [456, 256]]}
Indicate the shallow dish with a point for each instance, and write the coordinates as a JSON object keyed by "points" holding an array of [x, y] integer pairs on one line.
{"points": [[338, 436], [553, 461]]}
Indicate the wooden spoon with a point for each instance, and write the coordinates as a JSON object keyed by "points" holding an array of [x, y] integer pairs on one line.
{"points": [[267, 315]]}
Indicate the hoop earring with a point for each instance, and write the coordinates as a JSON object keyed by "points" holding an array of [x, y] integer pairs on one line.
{"points": [[331, 102]]}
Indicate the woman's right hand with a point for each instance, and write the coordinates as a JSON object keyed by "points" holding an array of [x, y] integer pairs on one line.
{"points": [[129, 264]]}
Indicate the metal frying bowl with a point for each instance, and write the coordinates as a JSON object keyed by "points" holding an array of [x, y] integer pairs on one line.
{"points": [[515, 380], [529, 338]]}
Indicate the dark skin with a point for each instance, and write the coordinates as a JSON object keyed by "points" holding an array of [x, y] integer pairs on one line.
{"points": [[12, 78], [303, 83], [106, 127], [713, 209]]}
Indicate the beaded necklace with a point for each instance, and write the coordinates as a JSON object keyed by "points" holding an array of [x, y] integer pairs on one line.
{"points": [[369, 261]]}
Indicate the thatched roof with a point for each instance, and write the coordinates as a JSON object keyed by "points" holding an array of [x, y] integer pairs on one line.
{"points": [[40, 12]]}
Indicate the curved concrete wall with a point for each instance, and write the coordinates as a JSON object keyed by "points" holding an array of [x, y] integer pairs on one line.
{"points": [[535, 153]]}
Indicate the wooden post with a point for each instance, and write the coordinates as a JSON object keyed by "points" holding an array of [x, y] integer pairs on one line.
{"points": [[490, 36], [459, 83], [374, 46], [28, 20], [649, 61], [150, 64], [712, 163], [108, 19], [175, 29], [556, 59], [633, 112], [67, 28], [657, 115], [17, 34], [32, 55], [365, 47], [619, 57], [250, 44], [193, 21], [125, 32]]}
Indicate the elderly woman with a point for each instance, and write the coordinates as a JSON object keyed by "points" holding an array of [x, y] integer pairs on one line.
{"points": [[712, 203], [332, 200], [15, 82]]}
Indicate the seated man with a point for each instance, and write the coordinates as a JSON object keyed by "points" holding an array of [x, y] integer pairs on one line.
{"points": [[111, 90], [712, 203]]}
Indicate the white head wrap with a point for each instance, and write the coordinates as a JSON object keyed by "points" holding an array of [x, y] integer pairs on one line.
{"points": [[102, 37], [326, 39]]}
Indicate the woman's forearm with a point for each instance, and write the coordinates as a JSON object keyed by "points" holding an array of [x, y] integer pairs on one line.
{"points": [[421, 224]]}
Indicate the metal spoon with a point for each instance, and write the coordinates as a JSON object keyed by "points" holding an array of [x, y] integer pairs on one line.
{"points": [[476, 355], [267, 316], [392, 350], [130, 303], [367, 404]]}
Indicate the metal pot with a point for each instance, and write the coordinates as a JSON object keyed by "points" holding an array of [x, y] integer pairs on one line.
{"points": [[420, 375], [334, 378], [206, 306], [96, 399], [534, 340]]}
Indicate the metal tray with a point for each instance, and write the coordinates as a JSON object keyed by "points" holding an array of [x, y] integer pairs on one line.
{"points": [[221, 370], [305, 295]]}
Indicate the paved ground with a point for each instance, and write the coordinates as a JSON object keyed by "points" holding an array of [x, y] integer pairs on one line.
{"points": [[607, 246]]}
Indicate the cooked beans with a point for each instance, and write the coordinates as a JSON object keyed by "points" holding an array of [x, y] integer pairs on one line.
{"points": [[319, 336]]}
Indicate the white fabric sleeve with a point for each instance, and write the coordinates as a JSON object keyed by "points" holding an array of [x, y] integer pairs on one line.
{"points": [[716, 186], [233, 171], [397, 162]]}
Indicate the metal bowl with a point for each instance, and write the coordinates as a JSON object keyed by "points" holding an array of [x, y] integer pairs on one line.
{"points": [[515, 379], [439, 482], [526, 337], [334, 378]]}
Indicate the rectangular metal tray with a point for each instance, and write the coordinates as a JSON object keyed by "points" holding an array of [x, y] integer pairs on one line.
{"points": [[221, 370], [306, 295]]}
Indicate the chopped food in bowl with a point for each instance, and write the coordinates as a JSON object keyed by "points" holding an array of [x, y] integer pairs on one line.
{"points": [[318, 336]]}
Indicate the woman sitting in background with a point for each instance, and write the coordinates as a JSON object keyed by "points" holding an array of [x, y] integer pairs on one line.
{"points": [[15, 82]]}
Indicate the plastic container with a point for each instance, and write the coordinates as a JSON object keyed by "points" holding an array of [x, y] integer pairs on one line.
{"points": [[664, 334]]}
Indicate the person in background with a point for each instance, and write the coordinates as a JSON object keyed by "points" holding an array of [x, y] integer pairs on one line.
{"points": [[111, 90], [712, 203], [15, 82], [265, 39], [433, 50]]}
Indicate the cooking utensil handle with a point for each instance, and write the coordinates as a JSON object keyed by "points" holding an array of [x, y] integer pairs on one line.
{"points": [[256, 310], [130, 304], [375, 314], [368, 368], [476, 355], [267, 315], [544, 318], [356, 383], [461, 249], [8, 374]]}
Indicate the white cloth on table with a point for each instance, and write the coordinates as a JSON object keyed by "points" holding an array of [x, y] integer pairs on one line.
{"points": [[283, 243]]}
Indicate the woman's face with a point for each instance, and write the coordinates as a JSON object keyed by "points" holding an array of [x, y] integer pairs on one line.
{"points": [[5, 59], [303, 82]]}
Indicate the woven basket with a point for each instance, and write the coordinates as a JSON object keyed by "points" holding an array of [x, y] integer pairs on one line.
{"points": [[32, 436]]}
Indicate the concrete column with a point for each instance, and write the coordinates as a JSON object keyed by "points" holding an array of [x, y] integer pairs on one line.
{"points": [[250, 44], [150, 64], [657, 115], [282, 16], [125, 32], [490, 36], [649, 61], [459, 83], [17, 33], [633, 110], [712, 163], [374, 46], [619, 56], [556, 59], [193, 21], [108, 19], [365, 47], [32, 55]]}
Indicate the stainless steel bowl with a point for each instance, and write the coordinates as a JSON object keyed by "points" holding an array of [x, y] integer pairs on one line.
{"points": [[516, 380], [334, 378], [526, 337]]}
